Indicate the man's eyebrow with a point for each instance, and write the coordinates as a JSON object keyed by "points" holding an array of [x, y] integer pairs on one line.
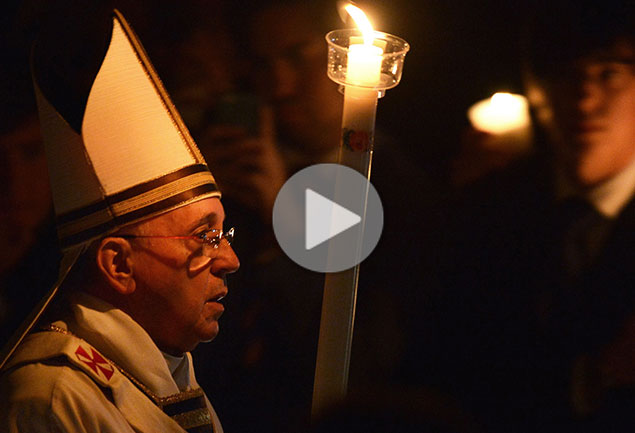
{"points": [[616, 54], [209, 219], [613, 58]]}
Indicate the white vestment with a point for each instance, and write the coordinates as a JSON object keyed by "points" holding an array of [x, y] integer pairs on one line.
{"points": [[95, 370]]}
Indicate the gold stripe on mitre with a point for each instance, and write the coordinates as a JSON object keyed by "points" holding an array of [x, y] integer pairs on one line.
{"points": [[141, 202]]}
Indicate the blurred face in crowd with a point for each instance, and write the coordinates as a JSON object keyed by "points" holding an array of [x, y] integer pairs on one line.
{"points": [[587, 108], [290, 71], [25, 196], [178, 289]]}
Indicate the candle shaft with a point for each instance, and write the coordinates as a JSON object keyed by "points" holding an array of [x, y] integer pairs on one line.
{"points": [[340, 288], [358, 121]]}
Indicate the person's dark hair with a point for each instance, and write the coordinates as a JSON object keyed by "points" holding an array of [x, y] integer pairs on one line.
{"points": [[558, 31], [242, 13], [17, 102]]}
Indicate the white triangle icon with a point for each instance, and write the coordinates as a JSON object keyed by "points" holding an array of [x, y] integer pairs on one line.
{"points": [[325, 219]]}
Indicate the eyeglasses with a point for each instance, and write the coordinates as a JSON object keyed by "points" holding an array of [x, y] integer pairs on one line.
{"points": [[211, 239]]}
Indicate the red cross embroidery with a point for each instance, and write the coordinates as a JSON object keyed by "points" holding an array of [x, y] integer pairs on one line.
{"points": [[96, 362]]}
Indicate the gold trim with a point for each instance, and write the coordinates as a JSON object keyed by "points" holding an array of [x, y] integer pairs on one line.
{"points": [[171, 189], [71, 228], [214, 194], [182, 396], [193, 418], [124, 207], [159, 401], [51, 327]]}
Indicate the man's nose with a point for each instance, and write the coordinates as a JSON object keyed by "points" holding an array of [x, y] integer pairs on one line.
{"points": [[590, 97], [226, 262]]}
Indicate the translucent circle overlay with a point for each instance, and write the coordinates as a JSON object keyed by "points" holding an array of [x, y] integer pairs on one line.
{"points": [[320, 219]]}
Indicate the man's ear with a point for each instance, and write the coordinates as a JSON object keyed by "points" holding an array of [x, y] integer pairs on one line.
{"points": [[114, 261]]}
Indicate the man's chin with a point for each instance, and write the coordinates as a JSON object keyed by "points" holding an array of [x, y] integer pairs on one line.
{"points": [[589, 175], [584, 163], [211, 333]]}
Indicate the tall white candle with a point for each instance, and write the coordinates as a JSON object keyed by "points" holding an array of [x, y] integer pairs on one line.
{"points": [[356, 64], [363, 73]]}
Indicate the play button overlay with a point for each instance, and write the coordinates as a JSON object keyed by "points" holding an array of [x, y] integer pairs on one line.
{"points": [[320, 220], [325, 219]]}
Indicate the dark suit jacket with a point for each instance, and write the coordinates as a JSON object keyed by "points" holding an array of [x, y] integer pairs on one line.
{"points": [[519, 345]]}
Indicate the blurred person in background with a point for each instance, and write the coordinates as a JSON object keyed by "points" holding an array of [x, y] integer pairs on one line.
{"points": [[532, 327], [28, 244]]}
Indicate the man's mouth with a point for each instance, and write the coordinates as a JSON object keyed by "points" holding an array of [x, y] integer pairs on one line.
{"points": [[586, 127], [217, 298]]}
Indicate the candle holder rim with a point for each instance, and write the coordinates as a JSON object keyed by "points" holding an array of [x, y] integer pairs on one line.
{"points": [[378, 35]]}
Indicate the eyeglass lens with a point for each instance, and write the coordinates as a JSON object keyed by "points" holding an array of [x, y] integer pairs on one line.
{"points": [[213, 239]]}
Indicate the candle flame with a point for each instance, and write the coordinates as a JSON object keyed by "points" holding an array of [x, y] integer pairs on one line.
{"points": [[502, 99], [362, 22], [501, 113]]}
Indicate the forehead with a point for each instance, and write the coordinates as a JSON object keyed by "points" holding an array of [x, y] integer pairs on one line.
{"points": [[291, 24], [622, 51], [208, 211]]}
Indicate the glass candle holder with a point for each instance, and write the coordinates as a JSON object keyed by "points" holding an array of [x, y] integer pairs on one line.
{"points": [[392, 59]]}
